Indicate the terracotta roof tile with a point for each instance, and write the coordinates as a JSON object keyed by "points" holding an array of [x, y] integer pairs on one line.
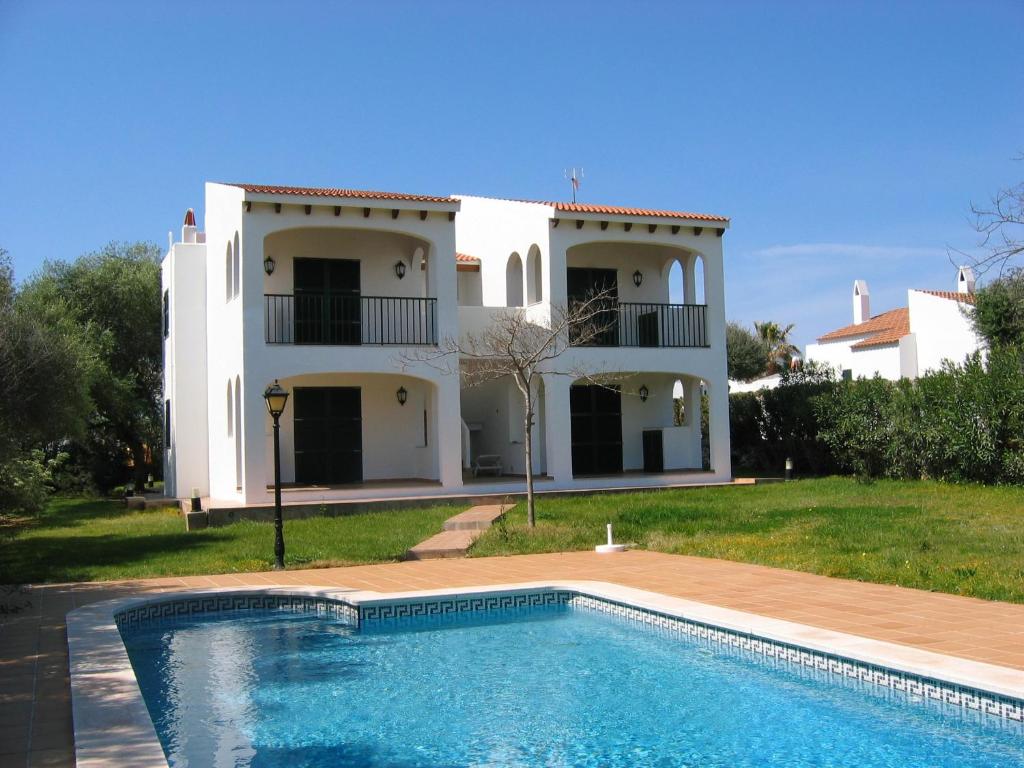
{"points": [[899, 328], [614, 210], [270, 189], [884, 323], [966, 298], [465, 258]]}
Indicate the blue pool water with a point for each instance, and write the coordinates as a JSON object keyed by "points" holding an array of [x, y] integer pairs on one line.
{"points": [[558, 687]]}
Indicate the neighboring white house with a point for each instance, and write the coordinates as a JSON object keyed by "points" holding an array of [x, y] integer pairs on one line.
{"points": [[323, 290], [905, 342]]}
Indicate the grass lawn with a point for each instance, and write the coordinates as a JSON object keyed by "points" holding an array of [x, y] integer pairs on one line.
{"points": [[92, 540], [967, 540]]}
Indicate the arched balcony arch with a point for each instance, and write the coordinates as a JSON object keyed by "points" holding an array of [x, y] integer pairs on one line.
{"points": [[514, 281]]}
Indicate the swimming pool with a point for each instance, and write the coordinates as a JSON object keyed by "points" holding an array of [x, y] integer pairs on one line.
{"points": [[548, 678]]}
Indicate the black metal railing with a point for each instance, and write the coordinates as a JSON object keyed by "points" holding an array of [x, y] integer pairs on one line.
{"points": [[318, 318], [637, 324]]}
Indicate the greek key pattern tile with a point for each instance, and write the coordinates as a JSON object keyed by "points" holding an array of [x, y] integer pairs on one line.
{"points": [[916, 687], [183, 608], [436, 610]]}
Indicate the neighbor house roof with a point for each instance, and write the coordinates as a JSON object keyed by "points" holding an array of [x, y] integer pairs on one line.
{"points": [[885, 328], [361, 194], [966, 298], [897, 325], [465, 258]]}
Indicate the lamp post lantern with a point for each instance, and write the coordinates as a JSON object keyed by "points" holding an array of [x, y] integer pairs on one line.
{"points": [[276, 398]]}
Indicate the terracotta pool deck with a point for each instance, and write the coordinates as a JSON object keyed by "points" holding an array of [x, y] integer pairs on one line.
{"points": [[35, 710]]}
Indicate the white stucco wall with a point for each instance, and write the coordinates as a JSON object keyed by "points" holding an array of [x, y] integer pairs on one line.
{"points": [[183, 276], [943, 330]]}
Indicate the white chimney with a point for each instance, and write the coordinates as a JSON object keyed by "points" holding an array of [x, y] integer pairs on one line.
{"points": [[965, 280], [861, 302], [188, 229]]}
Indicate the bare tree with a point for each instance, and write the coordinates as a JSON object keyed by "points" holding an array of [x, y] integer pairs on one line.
{"points": [[1001, 226], [524, 345]]}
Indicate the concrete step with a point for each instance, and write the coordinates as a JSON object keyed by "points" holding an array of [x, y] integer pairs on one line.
{"points": [[478, 518], [444, 544]]}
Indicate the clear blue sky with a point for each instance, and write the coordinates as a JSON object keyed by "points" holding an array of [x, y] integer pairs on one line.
{"points": [[845, 140]]}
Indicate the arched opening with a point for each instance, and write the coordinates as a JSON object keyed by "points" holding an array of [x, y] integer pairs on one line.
{"points": [[236, 269], [230, 411], [228, 273], [676, 288], [699, 296], [514, 281], [534, 276], [238, 433]]}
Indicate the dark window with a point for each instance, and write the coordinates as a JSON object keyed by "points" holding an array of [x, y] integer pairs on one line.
{"points": [[167, 313], [167, 423], [596, 429], [847, 374], [328, 435]]}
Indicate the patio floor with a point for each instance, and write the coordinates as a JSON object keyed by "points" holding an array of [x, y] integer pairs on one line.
{"points": [[35, 711]]}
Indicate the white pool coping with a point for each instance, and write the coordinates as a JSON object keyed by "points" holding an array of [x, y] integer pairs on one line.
{"points": [[113, 728]]}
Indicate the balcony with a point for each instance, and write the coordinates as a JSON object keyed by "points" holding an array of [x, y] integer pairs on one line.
{"points": [[636, 324], [331, 319]]}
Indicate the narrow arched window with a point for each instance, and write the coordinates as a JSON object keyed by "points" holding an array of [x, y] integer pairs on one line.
{"points": [[236, 268]]}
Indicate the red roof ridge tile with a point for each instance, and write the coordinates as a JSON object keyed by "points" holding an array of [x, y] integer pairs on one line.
{"points": [[363, 194], [611, 210], [966, 298]]}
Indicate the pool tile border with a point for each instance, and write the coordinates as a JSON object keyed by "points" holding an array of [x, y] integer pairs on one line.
{"points": [[124, 734]]}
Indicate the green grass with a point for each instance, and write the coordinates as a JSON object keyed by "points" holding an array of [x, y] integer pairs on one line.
{"points": [[966, 540], [93, 540]]}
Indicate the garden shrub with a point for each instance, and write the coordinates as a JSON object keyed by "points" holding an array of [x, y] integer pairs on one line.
{"points": [[963, 423]]}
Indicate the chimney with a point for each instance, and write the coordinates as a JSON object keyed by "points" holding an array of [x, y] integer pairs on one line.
{"points": [[965, 280], [188, 229], [861, 302]]}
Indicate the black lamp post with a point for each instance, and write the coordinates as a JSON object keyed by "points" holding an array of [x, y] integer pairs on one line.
{"points": [[276, 397]]}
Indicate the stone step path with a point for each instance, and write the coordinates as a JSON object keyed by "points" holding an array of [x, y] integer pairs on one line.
{"points": [[459, 533]]}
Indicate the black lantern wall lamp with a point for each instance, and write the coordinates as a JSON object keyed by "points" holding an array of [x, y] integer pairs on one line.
{"points": [[644, 392], [400, 269], [638, 278], [268, 265], [402, 395]]}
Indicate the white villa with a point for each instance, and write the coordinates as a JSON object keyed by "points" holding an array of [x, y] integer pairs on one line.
{"points": [[323, 289], [905, 342]]}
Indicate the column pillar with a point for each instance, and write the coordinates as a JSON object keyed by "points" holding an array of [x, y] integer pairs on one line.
{"points": [[558, 427]]}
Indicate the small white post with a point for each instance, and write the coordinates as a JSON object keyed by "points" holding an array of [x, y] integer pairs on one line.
{"points": [[610, 547]]}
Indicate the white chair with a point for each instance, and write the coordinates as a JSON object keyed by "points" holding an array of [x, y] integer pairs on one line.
{"points": [[487, 462]]}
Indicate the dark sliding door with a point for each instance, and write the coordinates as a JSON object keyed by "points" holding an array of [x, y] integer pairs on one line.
{"points": [[596, 430], [582, 284], [327, 301], [328, 435]]}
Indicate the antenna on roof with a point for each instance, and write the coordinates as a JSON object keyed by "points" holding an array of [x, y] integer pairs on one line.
{"points": [[574, 179]]}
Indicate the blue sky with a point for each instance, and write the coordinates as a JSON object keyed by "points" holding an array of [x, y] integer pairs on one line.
{"points": [[845, 140]]}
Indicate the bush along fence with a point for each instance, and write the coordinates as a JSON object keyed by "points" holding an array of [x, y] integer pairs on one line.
{"points": [[964, 423]]}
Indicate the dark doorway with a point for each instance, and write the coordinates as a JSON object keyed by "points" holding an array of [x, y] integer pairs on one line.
{"points": [[583, 283], [654, 451], [596, 413], [328, 435], [327, 301]]}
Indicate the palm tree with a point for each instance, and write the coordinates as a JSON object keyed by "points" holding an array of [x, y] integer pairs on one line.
{"points": [[777, 347]]}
